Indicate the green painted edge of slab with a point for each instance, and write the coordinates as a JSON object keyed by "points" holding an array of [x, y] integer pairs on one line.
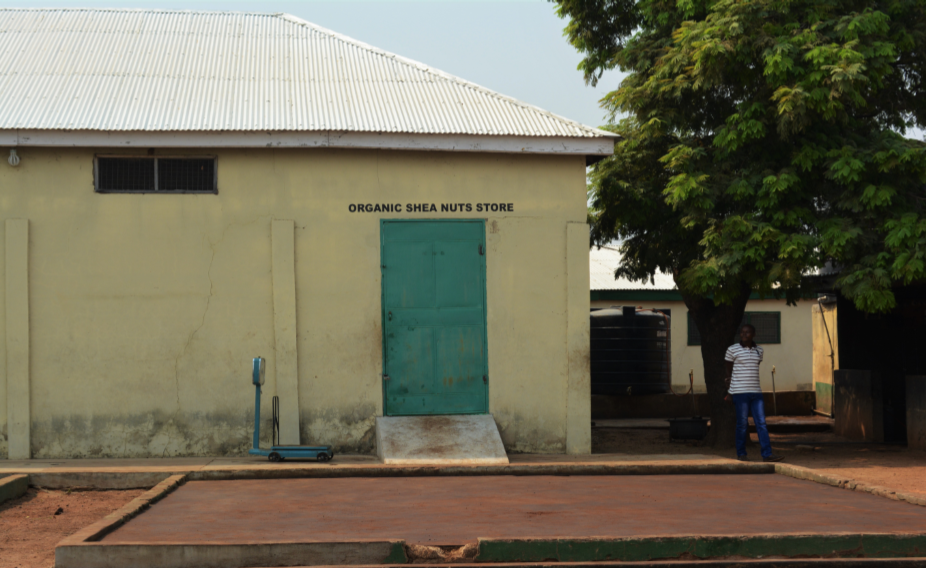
{"points": [[397, 554], [13, 487], [643, 549]]}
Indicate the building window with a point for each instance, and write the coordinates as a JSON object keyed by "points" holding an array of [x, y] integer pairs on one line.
{"points": [[143, 174], [767, 324]]}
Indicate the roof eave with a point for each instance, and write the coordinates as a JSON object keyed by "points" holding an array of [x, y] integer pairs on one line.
{"points": [[590, 147]]}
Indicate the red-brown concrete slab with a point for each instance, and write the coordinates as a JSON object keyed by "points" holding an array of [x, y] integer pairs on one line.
{"points": [[457, 510]]}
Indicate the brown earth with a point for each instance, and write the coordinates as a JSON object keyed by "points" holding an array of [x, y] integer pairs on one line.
{"points": [[886, 465], [30, 527]]}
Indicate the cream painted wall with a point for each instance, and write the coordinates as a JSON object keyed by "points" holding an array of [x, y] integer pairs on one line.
{"points": [[145, 310], [792, 358], [4, 427]]}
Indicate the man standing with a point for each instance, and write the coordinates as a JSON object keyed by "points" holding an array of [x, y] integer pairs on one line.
{"points": [[743, 386]]}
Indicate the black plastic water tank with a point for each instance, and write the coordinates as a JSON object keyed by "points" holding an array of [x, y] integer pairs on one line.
{"points": [[630, 351]]}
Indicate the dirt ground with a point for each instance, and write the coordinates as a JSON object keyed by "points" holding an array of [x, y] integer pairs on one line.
{"points": [[32, 525], [885, 465]]}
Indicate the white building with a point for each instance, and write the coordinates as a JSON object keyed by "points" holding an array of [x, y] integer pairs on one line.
{"points": [[783, 331]]}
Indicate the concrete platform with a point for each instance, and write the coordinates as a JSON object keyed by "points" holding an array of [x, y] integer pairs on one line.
{"points": [[148, 472], [501, 519], [776, 424], [458, 510], [439, 440]]}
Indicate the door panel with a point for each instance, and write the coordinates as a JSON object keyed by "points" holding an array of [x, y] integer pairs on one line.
{"points": [[434, 317], [409, 350], [412, 274], [459, 274], [460, 356]]}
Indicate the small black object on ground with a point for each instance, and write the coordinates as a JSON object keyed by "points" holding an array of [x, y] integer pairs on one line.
{"points": [[694, 428]]}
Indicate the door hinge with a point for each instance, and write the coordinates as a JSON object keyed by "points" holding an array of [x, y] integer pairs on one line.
{"points": [[481, 251], [385, 377], [485, 379]]}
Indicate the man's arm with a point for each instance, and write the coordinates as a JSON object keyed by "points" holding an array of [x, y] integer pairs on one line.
{"points": [[728, 365]]}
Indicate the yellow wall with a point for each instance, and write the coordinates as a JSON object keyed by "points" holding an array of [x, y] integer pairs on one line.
{"points": [[145, 310], [825, 343], [792, 358]]}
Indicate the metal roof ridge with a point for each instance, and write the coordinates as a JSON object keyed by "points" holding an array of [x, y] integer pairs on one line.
{"points": [[443, 74], [153, 10]]}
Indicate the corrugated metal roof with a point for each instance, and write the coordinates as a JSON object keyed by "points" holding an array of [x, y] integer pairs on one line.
{"points": [[602, 262], [154, 70]]}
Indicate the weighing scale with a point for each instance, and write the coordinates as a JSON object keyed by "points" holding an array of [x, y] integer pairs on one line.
{"points": [[279, 453]]}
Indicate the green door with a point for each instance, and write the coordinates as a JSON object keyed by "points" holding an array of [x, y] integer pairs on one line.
{"points": [[434, 317]]}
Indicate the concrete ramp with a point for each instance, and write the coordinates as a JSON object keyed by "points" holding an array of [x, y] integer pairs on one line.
{"points": [[470, 439]]}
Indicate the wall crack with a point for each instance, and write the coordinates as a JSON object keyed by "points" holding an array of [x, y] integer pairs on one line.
{"points": [[213, 247]]}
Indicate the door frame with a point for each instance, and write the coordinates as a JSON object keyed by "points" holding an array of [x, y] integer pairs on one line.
{"points": [[382, 301]]}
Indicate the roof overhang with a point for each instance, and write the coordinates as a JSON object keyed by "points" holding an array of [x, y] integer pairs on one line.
{"points": [[589, 147]]}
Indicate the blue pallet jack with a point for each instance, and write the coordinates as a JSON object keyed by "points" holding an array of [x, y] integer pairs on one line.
{"points": [[278, 453]]}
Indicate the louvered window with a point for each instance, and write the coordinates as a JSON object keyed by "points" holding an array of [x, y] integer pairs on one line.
{"points": [[143, 174]]}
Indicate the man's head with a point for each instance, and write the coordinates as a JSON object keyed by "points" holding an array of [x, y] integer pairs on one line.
{"points": [[747, 333]]}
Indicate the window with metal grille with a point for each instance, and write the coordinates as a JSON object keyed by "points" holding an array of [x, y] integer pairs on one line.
{"points": [[143, 174], [767, 324]]}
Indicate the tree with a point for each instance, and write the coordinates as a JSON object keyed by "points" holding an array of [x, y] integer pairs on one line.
{"points": [[760, 138]]}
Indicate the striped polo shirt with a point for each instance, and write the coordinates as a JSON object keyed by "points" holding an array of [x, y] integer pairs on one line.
{"points": [[745, 368]]}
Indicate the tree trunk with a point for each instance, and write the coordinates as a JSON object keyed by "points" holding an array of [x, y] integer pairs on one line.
{"points": [[718, 325]]}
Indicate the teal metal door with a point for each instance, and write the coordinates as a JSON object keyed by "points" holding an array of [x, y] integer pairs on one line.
{"points": [[434, 317]]}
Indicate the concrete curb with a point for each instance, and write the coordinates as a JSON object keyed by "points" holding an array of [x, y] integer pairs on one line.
{"points": [[653, 548], [727, 563], [114, 478], [459, 471], [77, 549], [798, 472], [166, 555], [120, 516], [13, 487], [99, 479]]}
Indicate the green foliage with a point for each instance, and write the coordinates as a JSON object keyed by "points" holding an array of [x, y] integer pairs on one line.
{"points": [[761, 138]]}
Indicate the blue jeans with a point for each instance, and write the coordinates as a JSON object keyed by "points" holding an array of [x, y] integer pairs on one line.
{"points": [[745, 403]]}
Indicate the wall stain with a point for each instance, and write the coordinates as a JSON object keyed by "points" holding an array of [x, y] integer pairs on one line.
{"points": [[151, 434], [191, 434], [524, 435], [349, 430], [4, 442], [580, 358]]}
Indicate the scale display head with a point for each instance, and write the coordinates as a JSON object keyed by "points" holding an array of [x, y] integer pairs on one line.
{"points": [[258, 375]]}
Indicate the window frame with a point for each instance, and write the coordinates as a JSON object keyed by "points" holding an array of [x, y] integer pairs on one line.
{"points": [[747, 318], [154, 159]]}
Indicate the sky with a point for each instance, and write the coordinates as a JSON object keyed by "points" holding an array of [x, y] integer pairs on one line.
{"points": [[514, 47]]}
